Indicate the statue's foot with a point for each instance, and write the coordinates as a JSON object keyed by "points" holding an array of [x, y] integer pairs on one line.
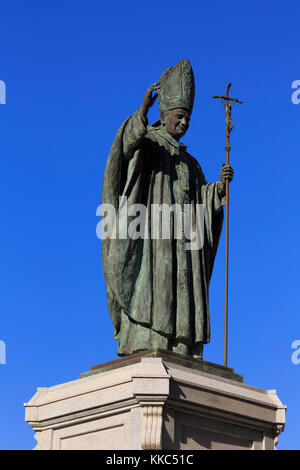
{"points": [[181, 348], [197, 351], [197, 356]]}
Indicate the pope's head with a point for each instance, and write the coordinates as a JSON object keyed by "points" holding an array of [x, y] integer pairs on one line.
{"points": [[176, 122], [176, 93]]}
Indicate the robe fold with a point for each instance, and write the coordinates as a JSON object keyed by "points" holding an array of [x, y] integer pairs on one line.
{"points": [[157, 291]]}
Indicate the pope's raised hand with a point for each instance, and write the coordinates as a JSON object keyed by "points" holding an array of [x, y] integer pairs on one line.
{"points": [[149, 99]]}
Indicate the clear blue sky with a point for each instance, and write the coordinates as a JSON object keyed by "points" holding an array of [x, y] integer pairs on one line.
{"points": [[74, 70]]}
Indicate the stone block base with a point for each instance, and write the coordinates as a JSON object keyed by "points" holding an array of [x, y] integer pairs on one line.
{"points": [[156, 400]]}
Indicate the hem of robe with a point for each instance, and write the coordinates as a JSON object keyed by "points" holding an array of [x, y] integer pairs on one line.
{"points": [[134, 337]]}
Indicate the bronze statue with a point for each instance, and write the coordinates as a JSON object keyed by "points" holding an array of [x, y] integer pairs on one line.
{"points": [[157, 290]]}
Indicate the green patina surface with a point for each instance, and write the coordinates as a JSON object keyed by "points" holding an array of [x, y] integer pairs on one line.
{"points": [[157, 290]]}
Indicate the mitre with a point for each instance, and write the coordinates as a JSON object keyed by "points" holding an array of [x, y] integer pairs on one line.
{"points": [[177, 88]]}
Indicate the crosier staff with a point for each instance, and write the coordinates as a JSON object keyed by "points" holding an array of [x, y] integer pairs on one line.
{"points": [[228, 129]]}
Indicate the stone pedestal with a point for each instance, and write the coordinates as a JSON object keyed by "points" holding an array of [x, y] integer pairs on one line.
{"points": [[156, 400]]}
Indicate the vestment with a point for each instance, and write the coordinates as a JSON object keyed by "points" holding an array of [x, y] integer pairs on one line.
{"points": [[157, 291]]}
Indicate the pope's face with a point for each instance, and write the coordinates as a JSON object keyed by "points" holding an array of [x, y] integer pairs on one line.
{"points": [[177, 123]]}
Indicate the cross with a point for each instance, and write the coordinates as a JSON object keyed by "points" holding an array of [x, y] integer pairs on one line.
{"points": [[228, 108]]}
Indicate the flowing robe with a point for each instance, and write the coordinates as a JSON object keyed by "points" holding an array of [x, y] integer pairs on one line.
{"points": [[157, 291]]}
